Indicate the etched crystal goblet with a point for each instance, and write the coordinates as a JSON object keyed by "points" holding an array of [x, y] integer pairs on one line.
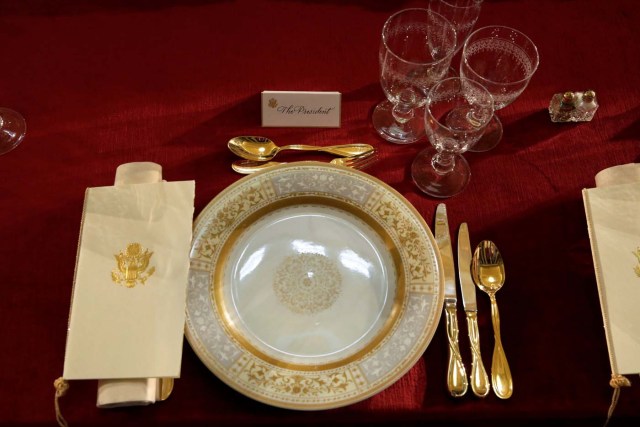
{"points": [[415, 52], [503, 60]]}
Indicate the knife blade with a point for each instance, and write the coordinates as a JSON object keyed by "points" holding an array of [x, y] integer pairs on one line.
{"points": [[479, 378], [456, 375]]}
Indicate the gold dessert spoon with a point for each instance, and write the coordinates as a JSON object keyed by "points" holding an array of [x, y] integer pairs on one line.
{"points": [[262, 149], [487, 269]]}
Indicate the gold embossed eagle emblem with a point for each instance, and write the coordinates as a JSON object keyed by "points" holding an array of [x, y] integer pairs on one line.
{"points": [[132, 266]]}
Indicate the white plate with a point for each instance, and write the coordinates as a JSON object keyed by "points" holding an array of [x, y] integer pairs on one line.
{"points": [[311, 286]]}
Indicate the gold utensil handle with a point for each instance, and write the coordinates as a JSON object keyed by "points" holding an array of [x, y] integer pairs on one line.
{"points": [[345, 150], [501, 379], [456, 376], [479, 378], [164, 388]]}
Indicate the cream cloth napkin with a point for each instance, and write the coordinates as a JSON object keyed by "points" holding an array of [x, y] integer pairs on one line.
{"points": [[137, 391], [127, 314], [613, 216]]}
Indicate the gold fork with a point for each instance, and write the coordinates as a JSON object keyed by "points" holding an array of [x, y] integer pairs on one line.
{"points": [[362, 161], [357, 162]]}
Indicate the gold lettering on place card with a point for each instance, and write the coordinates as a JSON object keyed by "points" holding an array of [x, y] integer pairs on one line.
{"points": [[132, 266]]}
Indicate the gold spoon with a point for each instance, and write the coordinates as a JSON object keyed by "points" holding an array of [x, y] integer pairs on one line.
{"points": [[262, 149], [487, 269]]}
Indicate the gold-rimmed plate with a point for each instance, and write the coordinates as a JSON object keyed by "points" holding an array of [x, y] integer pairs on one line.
{"points": [[311, 286]]}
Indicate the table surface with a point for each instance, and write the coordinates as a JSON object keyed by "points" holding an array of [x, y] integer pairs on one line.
{"points": [[102, 83]]}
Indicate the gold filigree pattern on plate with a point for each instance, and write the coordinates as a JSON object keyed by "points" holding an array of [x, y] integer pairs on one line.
{"points": [[307, 283], [385, 360], [336, 184], [410, 241], [302, 386]]}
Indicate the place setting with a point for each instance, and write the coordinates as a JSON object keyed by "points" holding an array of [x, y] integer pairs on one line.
{"points": [[309, 284], [284, 259], [301, 277]]}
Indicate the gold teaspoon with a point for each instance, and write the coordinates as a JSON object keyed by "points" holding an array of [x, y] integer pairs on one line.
{"points": [[487, 269]]}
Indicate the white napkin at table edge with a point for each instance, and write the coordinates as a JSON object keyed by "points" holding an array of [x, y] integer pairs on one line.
{"points": [[616, 175], [116, 393]]}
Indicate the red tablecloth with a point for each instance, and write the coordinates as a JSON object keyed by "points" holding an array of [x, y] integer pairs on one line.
{"points": [[108, 82]]}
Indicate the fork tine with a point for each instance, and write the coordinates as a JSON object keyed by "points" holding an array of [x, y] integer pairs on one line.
{"points": [[361, 162]]}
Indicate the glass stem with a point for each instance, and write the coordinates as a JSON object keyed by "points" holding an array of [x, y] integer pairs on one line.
{"points": [[402, 112], [443, 163], [403, 109]]}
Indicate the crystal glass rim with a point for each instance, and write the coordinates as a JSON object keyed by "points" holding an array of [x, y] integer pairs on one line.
{"points": [[472, 3], [477, 85], [524, 36], [449, 54]]}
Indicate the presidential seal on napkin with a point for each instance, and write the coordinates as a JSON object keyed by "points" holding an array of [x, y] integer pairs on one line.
{"points": [[128, 302]]}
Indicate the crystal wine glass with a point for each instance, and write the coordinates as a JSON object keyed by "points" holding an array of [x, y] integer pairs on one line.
{"points": [[456, 114], [463, 14], [503, 60], [415, 52], [12, 129]]}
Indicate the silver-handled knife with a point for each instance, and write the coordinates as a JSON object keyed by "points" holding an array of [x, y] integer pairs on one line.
{"points": [[479, 378], [456, 376]]}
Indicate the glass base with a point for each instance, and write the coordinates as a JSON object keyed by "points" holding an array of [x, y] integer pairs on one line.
{"points": [[388, 128], [490, 138], [12, 129], [435, 184]]}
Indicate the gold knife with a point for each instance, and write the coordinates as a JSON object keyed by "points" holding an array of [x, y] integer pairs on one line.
{"points": [[479, 378], [456, 376]]}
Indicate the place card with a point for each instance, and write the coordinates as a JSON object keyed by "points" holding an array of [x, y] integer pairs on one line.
{"points": [[300, 109]]}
